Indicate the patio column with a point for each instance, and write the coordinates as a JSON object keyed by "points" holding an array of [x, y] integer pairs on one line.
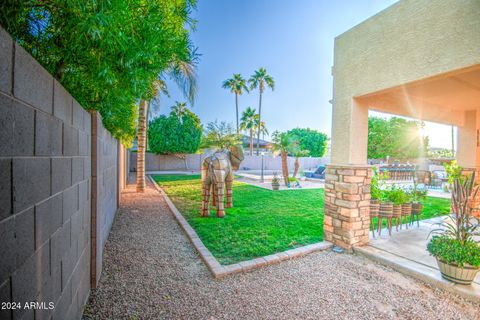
{"points": [[348, 177], [468, 142]]}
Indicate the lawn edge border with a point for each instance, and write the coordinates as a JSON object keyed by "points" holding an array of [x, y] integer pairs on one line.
{"points": [[218, 270]]}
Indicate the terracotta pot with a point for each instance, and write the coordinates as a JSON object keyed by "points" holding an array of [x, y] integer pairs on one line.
{"points": [[452, 272], [374, 208]]}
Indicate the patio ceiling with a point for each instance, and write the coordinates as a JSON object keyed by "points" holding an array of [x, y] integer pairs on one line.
{"points": [[443, 98]]}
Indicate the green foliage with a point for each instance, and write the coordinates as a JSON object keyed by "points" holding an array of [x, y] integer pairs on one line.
{"points": [[220, 135], [452, 251], [375, 191], [175, 135], [107, 54], [453, 170], [236, 84], [457, 242], [416, 194], [395, 194], [251, 120], [259, 79], [282, 142], [395, 137], [313, 141]]}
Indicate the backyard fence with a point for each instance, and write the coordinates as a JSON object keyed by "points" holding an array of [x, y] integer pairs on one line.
{"points": [[193, 162]]}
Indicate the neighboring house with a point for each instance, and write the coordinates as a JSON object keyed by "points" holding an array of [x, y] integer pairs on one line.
{"points": [[265, 146]]}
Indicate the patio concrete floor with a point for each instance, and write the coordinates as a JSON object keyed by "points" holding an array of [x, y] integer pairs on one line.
{"points": [[406, 251]]}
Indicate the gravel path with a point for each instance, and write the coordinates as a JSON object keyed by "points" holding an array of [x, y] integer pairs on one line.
{"points": [[152, 272]]}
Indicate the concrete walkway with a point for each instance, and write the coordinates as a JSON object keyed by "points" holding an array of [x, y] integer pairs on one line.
{"points": [[152, 272]]}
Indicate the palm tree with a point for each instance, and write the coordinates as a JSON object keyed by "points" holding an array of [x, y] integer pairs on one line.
{"points": [[236, 85], [258, 80], [281, 143], [248, 120], [179, 109], [141, 143], [183, 73]]}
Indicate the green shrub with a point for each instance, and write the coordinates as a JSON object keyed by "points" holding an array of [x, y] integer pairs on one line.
{"points": [[452, 251], [174, 135], [395, 194]]}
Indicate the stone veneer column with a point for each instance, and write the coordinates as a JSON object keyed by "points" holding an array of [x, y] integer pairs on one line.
{"points": [[347, 205]]}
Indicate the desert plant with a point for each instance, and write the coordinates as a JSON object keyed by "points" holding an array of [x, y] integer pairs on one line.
{"points": [[453, 243]]}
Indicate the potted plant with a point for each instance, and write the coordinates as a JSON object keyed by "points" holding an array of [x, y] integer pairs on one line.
{"points": [[385, 211], [453, 245], [275, 182], [417, 196], [398, 197]]}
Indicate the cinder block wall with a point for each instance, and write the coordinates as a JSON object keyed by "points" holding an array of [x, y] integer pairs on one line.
{"points": [[156, 162], [45, 190], [105, 181]]}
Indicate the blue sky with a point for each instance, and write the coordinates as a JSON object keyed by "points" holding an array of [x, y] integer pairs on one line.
{"points": [[293, 40]]}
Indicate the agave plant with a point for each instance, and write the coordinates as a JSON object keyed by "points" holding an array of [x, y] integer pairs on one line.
{"points": [[462, 225]]}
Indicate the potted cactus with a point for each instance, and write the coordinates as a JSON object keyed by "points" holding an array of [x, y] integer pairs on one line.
{"points": [[453, 245], [275, 182]]}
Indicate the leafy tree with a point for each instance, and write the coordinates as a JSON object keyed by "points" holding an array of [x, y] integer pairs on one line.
{"points": [[173, 135], [395, 137], [236, 85], [107, 54], [313, 141], [258, 80], [220, 135]]}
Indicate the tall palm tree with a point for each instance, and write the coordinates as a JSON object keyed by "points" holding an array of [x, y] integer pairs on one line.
{"points": [[258, 80], [236, 85], [179, 109], [141, 144], [183, 73], [247, 123]]}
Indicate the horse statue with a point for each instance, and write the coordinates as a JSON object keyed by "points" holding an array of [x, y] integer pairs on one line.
{"points": [[217, 175]]}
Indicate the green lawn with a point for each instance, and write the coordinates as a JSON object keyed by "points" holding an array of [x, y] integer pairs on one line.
{"points": [[261, 222]]}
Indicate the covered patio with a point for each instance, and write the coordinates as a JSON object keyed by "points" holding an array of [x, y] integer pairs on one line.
{"points": [[403, 62]]}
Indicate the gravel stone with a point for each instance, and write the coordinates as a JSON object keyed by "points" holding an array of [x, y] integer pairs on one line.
{"points": [[151, 271]]}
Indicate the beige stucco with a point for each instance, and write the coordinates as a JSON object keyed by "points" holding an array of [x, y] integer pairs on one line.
{"points": [[417, 58]]}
